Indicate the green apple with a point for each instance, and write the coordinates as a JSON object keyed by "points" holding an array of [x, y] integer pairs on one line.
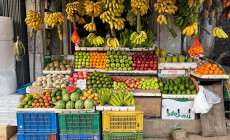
{"points": [[77, 56], [114, 68], [113, 53], [125, 56], [118, 65], [80, 53], [108, 65], [87, 63], [123, 53], [107, 61], [76, 53], [130, 58], [122, 65], [130, 62], [80, 60], [127, 65], [87, 67], [143, 87], [113, 65], [84, 53], [147, 87], [120, 69], [79, 66], [118, 53], [116, 56], [117, 60], [111, 56], [130, 69], [126, 61], [83, 63], [83, 60], [122, 61], [106, 57], [110, 68], [120, 57], [79, 63], [112, 60], [125, 69], [88, 57], [108, 52], [85, 57], [87, 54]]}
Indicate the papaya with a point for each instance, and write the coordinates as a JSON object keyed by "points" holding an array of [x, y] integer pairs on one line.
{"points": [[163, 53], [174, 59], [181, 58], [162, 59], [168, 59], [189, 59], [157, 52]]}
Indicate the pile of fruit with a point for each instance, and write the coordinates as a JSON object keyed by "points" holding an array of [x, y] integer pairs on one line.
{"points": [[59, 65], [71, 99], [43, 100], [118, 61], [52, 81], [98, 80], [209, 69], [90, 94], [82, 60], [165, 58], [119, 98], [78, 76], [180, 85], [196, 50], [98, 61], [135, 83], [146, 61]]}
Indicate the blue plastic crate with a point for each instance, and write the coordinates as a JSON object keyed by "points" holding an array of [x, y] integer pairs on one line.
{"points": [[80, 137], [37, 136], [37, 122], [22, 90]]}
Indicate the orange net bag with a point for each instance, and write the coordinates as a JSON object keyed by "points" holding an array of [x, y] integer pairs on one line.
{"points": [[196, 48], [75, 37]]}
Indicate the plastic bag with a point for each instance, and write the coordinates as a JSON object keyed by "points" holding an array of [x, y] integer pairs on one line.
{"points": [[200, 102], [8, 81], [196, 48], [75, 37], [211, 97]]}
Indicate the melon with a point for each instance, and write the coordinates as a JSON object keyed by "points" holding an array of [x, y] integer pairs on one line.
{"points": [[78, 90], [60, 104], [70, 105], [74, 96], [79, 104], [70, 89], [66, 97], [88, 103]]}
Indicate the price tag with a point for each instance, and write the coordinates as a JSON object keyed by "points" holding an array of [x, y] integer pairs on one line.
{"points": [[173, 72], [81, 84], [70, 57]]}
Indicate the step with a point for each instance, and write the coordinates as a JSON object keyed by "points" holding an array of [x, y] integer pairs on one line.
{"points": [[158, 128]]}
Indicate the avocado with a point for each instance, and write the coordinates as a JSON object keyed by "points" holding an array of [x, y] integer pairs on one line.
{"points": [[187, 79], [170, 88], [179, 79], [167, 81], [162, 89], [175, 81], [187, 85], [164, 81], [194, 92], [189, 59], [183, 79], [174, 92], [161, 84], [178, 92], [191, 87], [166, 87], [171, 81], [188, 91], [175, 88], [181, 87], [183, 93], [165, 92]]}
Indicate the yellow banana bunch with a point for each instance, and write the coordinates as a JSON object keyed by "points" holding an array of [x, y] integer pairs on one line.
{"points": [[114, 22], [143, 5], [218, 32], [96, 40], [93, 9], [114, 6], [90, 27], [137, 38], [34, 21], [75, 11], [191, 30], [166, 6], [161, 19], [55, 19], [113, 43], [192, 3]]}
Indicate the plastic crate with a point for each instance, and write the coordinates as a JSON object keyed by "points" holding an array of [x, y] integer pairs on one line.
{"points": [[122, 136], [37, 122], [79, 123], [37, 136], [80, 137], [22, 90], [119, 121]]}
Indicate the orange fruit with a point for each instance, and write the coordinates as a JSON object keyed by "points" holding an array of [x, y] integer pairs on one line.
{"points": [[220, 72], [212, 68], [209, 65], [216, 72], [210, 72], [214, 65], [205, 72]]}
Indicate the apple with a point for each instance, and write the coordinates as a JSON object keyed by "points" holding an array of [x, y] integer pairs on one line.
{"points": [[153, 68], [151, 62], [75, 78], [138, 65], [141, 68], [142, 65], [139, 62], [145, 68], [154, 65], [151, 65], [134, 65], [149, 68], [147, 62], [138, 68], [134, 68], [146, 65]]}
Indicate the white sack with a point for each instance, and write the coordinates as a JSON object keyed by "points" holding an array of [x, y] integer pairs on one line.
{"points": [[7, 58], [8, 81], [6, 28]]}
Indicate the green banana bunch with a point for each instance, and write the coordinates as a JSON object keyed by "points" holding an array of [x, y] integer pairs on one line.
{"points": [[104, 95], [19, 49], [85, 43], [137, 38], [95, 40], [122, 97]]}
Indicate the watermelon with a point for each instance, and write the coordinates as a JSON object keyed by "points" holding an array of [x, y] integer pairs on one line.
{"points": [[66, 97], [88, 103], [70, 105], [60, 104], [79, 104], [70, 89], [74, 96], [71, 85], [78, 90], [64, 91]]}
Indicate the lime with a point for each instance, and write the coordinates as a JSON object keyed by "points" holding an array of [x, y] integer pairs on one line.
{"points": [[27, 106], [21, 106]]}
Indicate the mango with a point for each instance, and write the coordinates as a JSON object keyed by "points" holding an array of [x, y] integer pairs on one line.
{"points": [[157, 52], [174, 59], [162, 59], [168, 59], [189, 59], [181, 58], [163, 53]]}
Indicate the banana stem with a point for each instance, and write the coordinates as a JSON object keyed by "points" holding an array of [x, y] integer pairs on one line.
{"points": [[59, 32], [138, 20], [92, 18], [74, 22], [31, 33], [173, 33], [113, 33]]}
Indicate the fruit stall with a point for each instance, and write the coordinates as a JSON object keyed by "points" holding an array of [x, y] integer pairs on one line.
{"points": [[115, 74]]}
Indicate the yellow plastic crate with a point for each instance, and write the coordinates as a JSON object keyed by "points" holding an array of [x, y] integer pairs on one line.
{"points": [[123, 121]]}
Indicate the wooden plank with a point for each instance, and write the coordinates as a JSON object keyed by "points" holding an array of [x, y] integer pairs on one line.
{"points": [[185, 65], [213, 123], [210, 76]]}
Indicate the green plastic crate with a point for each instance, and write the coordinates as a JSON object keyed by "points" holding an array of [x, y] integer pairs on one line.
{"points": [[79, 123], [122, 136]]}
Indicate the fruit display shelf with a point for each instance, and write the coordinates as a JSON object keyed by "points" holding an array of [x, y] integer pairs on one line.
{"points": [[35, 109], [58, 72], [170, 96], [147, 72], [115, 108], [145, 93], [77, 48], [185, 65], [210, 76], [55, 110]]}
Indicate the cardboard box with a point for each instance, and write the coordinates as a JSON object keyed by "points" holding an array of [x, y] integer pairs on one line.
{"points": [[7, 131], [177, 109]]}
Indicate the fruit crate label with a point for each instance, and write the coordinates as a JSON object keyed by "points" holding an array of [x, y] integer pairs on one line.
{"points": [[81, 84], [173, 72], [70, 57]]}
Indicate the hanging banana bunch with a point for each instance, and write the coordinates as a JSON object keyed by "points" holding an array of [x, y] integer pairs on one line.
{"points": [[143, 5], [95, 40], [93, 10], [55, 19], [19, 49], [34, 21], [75, 11]]}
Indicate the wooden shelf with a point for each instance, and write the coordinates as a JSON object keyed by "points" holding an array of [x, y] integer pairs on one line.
{"points": [[186, 65], [170, 96], [107, 49], [210, 76]]}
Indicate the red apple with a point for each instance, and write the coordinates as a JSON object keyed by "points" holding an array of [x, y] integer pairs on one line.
{"points": [[142, 65], [145, 68], [75, 78], [147, 62], [144, 59], [154, 65], [138, 68], [146, 65], [149, 68], [134, 65], [134, 68], [138, 62], [151, 62], [143, 62], [151, 65], [153, 68], [138, 65], [142, 68]]}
